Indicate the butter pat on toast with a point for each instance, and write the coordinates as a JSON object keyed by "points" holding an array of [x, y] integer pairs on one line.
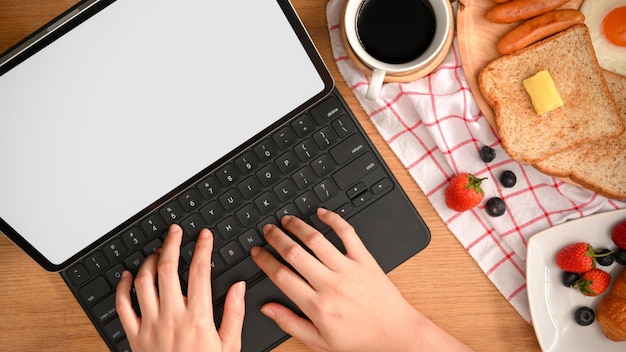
{"points": [[589, 111], [601, 165]]}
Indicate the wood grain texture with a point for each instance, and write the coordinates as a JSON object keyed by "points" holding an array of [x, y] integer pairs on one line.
{"points": [[38, 312]]}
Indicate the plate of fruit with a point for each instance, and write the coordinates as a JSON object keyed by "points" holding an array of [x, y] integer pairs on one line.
{"points": [[570, 269]]}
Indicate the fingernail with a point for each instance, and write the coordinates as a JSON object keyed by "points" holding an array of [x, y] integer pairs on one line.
{"points": [[267, 228], [268, 311], [205, 233], [240, 289], [322, 211], [254, 251]]}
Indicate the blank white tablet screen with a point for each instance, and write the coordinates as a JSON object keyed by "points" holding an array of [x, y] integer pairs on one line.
{"points": [[134, 101]]}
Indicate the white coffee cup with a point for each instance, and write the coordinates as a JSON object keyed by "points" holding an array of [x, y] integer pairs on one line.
{"points": [[391, 18]]}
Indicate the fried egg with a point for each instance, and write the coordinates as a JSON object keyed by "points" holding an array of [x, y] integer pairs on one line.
{"points": [[606, 20]]}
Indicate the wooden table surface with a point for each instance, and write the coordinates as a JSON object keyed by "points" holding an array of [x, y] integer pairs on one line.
{"points": [[38, 312]]}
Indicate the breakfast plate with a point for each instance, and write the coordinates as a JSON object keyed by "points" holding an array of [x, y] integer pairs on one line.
{"points": [[552, 304]]}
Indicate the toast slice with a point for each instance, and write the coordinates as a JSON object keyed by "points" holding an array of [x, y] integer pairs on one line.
{"points": [[589, 112], [600, 165]]}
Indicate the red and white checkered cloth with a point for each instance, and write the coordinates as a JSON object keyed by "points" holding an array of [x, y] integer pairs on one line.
{"points": [[436, 129]]}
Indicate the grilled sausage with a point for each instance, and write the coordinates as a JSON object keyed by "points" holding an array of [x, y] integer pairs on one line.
{"points": [[518, 10], [538, 28]]}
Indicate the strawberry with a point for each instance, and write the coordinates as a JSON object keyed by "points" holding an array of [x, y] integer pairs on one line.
{"points": [[594, 282], [576, 258], [464, 192], [618, 234]]}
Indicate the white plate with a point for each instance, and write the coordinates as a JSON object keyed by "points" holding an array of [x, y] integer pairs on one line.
{"points": [[552, 304]]}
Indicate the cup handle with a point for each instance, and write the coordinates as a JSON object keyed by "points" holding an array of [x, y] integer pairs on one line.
{"points": [[376, 83]]}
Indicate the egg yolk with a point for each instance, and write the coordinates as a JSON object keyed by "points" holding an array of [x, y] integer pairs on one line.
{"points": [[614, 26]]}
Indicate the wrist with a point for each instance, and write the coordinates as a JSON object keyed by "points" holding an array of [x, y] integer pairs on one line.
{"points": [[422, 334]]}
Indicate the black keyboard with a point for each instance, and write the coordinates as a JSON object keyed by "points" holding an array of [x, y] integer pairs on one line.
{"points": [[317, 159]]}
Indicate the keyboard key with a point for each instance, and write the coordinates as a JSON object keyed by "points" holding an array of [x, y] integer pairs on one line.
{"points": [[348, 148], [230, 200], [190, 200], [105, 310], [133, 262], [325, 190], [362, 199], [153, 246], [95, 290], [355, 170], [228, 175], [217, 264], [212, 212], [247, 215], [228, 227], [171, 213], [304, 178], [267, 220], [250, 239], [133, 238], [231, 252], [114, 330], [284, 138], [307, 203], [265, 150], [342, 126], [317, 223], [192, 225], [153, 225], [306, 150], [344, 210], [323, 165], [242, 271], [115, 250], [249, 187], [123, 346], [325, 137], [247, 162], [287, 162], [209, 187], [78, 275], [266, 202], [288, 209], [381, 186], [356, 190], [268, 175], [186, 253], [303, 125], [115, 274], [95, 262], [328, 109], [285, 190]]}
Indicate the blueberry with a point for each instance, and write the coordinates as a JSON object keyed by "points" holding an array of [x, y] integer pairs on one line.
{"points": [[604, 257], [487, 154], [620, 256], [584, 316], [508, 179], [495, 206], [569, 278]]}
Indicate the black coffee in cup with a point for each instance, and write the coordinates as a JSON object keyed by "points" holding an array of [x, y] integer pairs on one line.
{"points": [[395, 31]]}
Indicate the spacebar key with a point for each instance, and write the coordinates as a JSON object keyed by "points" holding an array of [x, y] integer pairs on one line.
{"points": [[244, 270]]}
